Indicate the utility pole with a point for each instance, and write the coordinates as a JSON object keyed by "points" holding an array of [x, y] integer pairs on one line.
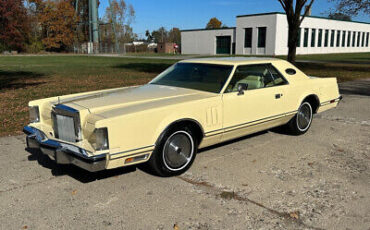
{"points": [[113, 16], [93, 22]]}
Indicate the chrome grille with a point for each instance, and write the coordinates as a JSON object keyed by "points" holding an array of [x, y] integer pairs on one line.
{"points": [[65, 128], [66, 123]]}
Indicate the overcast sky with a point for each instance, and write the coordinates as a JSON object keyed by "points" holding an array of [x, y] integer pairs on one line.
{"points": [[191, 14]]}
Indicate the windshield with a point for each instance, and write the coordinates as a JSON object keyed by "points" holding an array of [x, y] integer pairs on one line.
{"points": [[205, 77]]}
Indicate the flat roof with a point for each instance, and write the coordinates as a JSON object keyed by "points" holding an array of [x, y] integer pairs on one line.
{"points": [[320, 17], [224, 28], [231, 60]]}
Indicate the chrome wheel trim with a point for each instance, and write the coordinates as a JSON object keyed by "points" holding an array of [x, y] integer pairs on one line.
{"points": [[304, 116], [176, 153]]}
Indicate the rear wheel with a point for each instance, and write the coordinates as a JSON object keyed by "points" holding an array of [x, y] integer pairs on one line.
{"points": [[175, 153], [301, 122]]}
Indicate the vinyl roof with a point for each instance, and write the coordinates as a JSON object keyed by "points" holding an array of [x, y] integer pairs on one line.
{"points": [[231, 60]]}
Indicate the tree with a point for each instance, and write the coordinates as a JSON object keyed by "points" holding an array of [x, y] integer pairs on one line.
{"points": [[175, 35], [124, 15], [294, 18], [352, 7], [340, 16], [148, 36], [58, 22], [14, 26], [160, 35], [214, 23]]}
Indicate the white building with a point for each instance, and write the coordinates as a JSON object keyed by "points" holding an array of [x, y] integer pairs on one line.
{"points": [[267, 34]]}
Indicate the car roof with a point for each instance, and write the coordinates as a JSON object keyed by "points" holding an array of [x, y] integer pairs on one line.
{"points": [[231, 60]]}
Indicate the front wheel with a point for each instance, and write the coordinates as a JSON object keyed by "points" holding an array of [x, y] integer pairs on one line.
{"points": [[301, 122], [175, 153]]}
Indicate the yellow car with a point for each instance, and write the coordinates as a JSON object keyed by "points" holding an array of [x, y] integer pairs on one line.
{"points": [[193, 104]]}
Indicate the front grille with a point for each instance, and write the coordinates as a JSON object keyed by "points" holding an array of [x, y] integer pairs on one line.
{"points": [[66, 123]]}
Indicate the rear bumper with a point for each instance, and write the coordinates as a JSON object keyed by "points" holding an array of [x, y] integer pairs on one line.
{"points": [[63, 153]]}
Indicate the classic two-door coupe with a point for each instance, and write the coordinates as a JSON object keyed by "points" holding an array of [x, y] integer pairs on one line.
{"points": [[193, 104]]}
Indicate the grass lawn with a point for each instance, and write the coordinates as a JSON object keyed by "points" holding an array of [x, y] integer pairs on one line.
{"points": [[25, 78], [344, 57]]}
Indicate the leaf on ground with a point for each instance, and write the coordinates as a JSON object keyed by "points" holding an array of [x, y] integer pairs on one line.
{"points": [[25, 227], [74, 192], [294, 215]]}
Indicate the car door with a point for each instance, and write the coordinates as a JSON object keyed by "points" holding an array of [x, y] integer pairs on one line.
{"points": [[257, 108]]}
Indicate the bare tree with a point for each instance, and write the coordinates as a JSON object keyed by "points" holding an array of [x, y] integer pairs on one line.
{"points": [[294, 18], [352, 7]]}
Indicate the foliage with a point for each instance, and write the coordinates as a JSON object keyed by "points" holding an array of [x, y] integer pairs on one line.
{"points": [[293, 13], [148, 36], [175, 35], [163, 35], [123, 16], [340, 16], [352, 7], [214, 23], [58, 22], [14, 26], [160, 35]]}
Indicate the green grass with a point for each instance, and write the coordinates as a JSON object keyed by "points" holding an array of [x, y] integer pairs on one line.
{"points": [[32, 77], [343, 57], [25, 78]]}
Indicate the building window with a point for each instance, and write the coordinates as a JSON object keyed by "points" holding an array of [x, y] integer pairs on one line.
{"points": [[358, 38], [299, 37], [367, 39], [338, 38], [313, 37], [261, 37], [326, 38], [343, 38], [305, 41], [332, 38], [349, 39], [363, 39], [319, 40], [354, 39], [248, 38]]}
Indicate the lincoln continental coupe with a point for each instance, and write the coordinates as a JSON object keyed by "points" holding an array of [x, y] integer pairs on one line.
{"points": [[193, 104]]}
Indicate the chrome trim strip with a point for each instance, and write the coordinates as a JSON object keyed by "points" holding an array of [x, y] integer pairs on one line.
{"points": [[134, 154], [263, 120], [131, 150], [328, 102]]}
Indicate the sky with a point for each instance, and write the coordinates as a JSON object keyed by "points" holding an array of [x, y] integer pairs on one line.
{"points": [[194, 14]]}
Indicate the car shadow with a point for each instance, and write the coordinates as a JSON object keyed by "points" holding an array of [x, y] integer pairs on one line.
{"points": [[75, 172], [17, 79], [145, 67], [359, 87]]}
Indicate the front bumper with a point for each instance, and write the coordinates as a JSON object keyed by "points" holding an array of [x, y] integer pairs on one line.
{"points": [[63, 153]]}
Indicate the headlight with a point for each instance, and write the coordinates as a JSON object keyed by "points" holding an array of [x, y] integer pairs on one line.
{"points": [[99, 139], [34, 114]]}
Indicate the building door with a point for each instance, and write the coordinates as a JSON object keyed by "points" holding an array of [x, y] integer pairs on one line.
{"points": [[223, 44]]}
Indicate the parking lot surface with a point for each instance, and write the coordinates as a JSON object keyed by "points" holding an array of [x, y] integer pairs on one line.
{"points": [[271, 180]]}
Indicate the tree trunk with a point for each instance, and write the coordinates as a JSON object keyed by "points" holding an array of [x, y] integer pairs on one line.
{"points": [[292, 42]]}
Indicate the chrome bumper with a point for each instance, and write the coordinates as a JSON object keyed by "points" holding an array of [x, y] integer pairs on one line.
{"points": [[63, 153]]}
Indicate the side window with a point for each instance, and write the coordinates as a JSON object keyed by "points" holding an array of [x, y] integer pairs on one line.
{"points": [[256, 76], [278, 78]]}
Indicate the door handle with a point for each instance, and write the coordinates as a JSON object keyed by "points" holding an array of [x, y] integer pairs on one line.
{"points": [[277, 96]]}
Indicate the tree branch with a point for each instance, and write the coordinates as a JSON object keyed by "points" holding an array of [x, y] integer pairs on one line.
{"points": [[306, 11]]}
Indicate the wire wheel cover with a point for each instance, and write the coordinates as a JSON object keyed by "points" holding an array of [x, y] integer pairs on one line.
{"points": [[304, 116], [178, 150]]}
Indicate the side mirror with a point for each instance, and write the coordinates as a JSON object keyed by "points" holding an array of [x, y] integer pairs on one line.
{"points": [[241, 88]]}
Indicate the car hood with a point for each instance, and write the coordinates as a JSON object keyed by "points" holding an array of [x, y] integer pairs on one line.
{"points": [[101, 102]]}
